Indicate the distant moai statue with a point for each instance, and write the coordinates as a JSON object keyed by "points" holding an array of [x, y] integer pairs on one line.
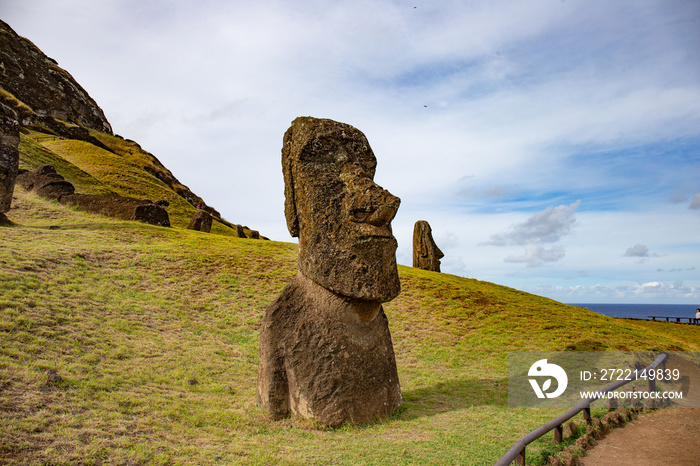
{"points": [[325, 348], [45, 182], [9, 159], [426, 254], [201, 221]]}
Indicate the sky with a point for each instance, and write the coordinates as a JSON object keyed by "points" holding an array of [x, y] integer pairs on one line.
{"points": [[552, 145]]}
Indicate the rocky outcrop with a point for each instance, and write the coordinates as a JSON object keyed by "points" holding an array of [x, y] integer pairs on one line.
{"points": [[426, 254], [43, 93], [201, 221], [9, 159], [325, 349]]}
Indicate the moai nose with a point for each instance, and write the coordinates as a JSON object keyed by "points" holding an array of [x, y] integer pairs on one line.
{"points": [[367, 202], [386, 211]]}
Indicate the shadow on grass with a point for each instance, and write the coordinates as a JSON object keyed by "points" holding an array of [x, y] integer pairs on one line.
{"points": [[452, 395]]}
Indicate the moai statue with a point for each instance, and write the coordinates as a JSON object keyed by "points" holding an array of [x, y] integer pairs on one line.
{"points": [[9, 159], [201, 221], [426, 254], [325, 349]]}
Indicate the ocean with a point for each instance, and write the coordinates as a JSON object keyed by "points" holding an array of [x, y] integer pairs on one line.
{"points": [[641, 311]]}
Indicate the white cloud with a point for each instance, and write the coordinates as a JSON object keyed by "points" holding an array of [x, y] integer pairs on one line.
{"points": [[650, 292], [546, 227], [638, 250], [536, 255]]}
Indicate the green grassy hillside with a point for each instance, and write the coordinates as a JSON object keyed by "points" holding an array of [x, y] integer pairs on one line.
{"points": [[127, 170], [154, 334]]}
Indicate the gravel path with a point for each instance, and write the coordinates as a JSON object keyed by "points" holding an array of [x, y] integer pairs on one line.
{"points": [[669, 437]]}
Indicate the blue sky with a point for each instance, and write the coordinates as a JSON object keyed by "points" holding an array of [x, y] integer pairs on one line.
{"points": [[553, 145]]}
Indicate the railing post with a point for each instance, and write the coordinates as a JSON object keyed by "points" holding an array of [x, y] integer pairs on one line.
{"points": [[520, 459], [558, 433], [587, 414]]}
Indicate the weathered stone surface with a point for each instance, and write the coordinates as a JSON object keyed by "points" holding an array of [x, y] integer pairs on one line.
{"points": [[325, 357], [152, 214], [201, 221], [43, 92], [340, 215], [45, 182], [426, 254], [325, 348], [54, 190], [239, 231], [46, 170], [254, 234], [9, 157]]}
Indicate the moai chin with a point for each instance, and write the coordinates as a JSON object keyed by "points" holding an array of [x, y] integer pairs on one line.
{"points": [[426, 254], [325, 349]]}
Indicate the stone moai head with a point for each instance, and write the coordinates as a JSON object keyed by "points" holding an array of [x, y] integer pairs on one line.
{"points": [[340, 215], [426, 254], [9, 157]]}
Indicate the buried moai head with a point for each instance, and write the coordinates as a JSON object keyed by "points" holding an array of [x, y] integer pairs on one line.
{"points": [[342, 218], [426, 254]]}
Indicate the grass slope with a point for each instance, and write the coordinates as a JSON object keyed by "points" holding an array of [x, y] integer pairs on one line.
{"points": [[93, 170], [128, 314], [154, 333]]}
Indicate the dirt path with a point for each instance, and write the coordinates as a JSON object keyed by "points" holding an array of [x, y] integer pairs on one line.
{"points": [[669, 437]]}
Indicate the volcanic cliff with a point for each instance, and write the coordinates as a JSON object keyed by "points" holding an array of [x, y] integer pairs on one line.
{"points": [[43, 97]]}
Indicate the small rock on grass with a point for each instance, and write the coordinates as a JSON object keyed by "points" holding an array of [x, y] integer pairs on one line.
{"points": [[52, 377]]}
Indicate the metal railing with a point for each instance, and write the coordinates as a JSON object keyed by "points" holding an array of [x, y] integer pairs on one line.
{"points": [[517, 451], [691, 320]]}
